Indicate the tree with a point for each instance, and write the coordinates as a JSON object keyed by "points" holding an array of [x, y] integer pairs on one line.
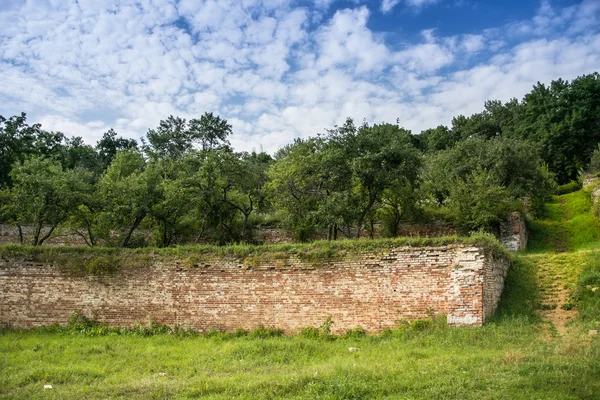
{"points": [[210, 130], [295, 185], [16, 142], [564, 118], [514, 166], [337, 181], [175, 137], [110, 144], [170, 140], [244, 178], [384, 154], [43, 195], [129, 191], [478, 201]]}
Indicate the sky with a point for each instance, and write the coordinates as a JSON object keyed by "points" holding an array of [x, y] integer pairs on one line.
{"points": [[282, 69]]}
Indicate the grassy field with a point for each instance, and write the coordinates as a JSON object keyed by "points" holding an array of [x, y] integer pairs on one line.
{"points": [[522, 353]]}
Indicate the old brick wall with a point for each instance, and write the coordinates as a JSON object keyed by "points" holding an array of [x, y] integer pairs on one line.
{"points": [[513, 232], [495, 270], [370, 290]]}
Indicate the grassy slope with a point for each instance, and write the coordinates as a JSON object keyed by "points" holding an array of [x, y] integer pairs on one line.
{"points": [[514, 356], [564, 251]]}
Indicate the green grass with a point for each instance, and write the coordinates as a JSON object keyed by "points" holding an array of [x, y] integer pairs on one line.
{"points": [[587, 292], [564, 252], [507, 359], [569, 224]]}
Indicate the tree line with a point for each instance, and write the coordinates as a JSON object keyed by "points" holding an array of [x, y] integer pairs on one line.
{"points": [[185, 184]]}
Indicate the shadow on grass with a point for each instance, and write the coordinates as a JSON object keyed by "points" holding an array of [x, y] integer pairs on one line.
{"points": [[521, 295]]}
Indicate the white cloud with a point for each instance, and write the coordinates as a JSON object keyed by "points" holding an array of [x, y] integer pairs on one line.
{"points": [[415, 5], [275, 70]]}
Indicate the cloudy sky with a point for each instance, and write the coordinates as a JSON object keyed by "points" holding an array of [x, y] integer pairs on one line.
{"points": [[280, 69]]}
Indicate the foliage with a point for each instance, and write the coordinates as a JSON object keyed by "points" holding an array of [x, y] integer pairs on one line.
{"points": [[478, 202], [184, 184], [567, 188], [42, 194]]}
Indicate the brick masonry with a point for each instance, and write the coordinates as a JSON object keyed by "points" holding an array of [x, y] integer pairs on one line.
{"points": [[513, 232], [369, 290]]}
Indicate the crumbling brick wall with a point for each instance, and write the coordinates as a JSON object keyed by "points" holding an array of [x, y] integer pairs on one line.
{"points": [[372, 290], [513, 232]]}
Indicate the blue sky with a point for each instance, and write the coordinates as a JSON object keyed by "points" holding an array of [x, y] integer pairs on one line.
{"points": [[280, 69]]}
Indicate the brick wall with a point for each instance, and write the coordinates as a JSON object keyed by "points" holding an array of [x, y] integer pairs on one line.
{"points": [[513, 232], [370, 290]]}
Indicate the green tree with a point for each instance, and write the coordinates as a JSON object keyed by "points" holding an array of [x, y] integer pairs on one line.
{"points": [[210, 130], [384, 154], [129, 191], [16, 142], [478, 201], [43, 195], [110, 144], [174, 137]]}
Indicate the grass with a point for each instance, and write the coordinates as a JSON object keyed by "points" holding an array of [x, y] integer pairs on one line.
{"points": [[564, 253], [90, 260], [569, 225], [502, 360], [515, 356]]}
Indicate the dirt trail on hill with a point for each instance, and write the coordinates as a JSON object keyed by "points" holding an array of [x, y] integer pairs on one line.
{"points": [[552, 277], [555, 296]]}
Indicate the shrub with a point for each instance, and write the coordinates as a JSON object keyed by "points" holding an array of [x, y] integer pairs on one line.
{"points": [[355, 333], [594, 166], [265, 333], [310, 332], [567, 188]]}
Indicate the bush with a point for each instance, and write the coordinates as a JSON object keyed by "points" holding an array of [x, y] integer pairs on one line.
{"points": [[265, 333], [594, 166], [310, 332], [354, 333], [567, 188]]}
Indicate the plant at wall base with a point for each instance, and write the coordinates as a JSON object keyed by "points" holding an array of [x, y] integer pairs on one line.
{"points": [[326, 326]]}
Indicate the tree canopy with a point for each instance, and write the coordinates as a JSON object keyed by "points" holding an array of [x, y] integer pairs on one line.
{"points": [[185, 184]]}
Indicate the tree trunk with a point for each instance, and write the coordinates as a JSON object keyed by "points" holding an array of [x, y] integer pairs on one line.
{"points": [[372, 229], [135, 224], [202, 228], [47, 235], [36, 234], [329, 232], [244, 226], [361, 220], [92, 240], [335, 230], [20, 234]]}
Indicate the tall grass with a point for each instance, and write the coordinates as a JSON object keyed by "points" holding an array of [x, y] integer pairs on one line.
{"points": [[588, 289]]}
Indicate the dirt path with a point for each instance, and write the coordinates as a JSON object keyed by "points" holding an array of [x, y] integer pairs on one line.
{"points": [[553, 277], [555, 296]]}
